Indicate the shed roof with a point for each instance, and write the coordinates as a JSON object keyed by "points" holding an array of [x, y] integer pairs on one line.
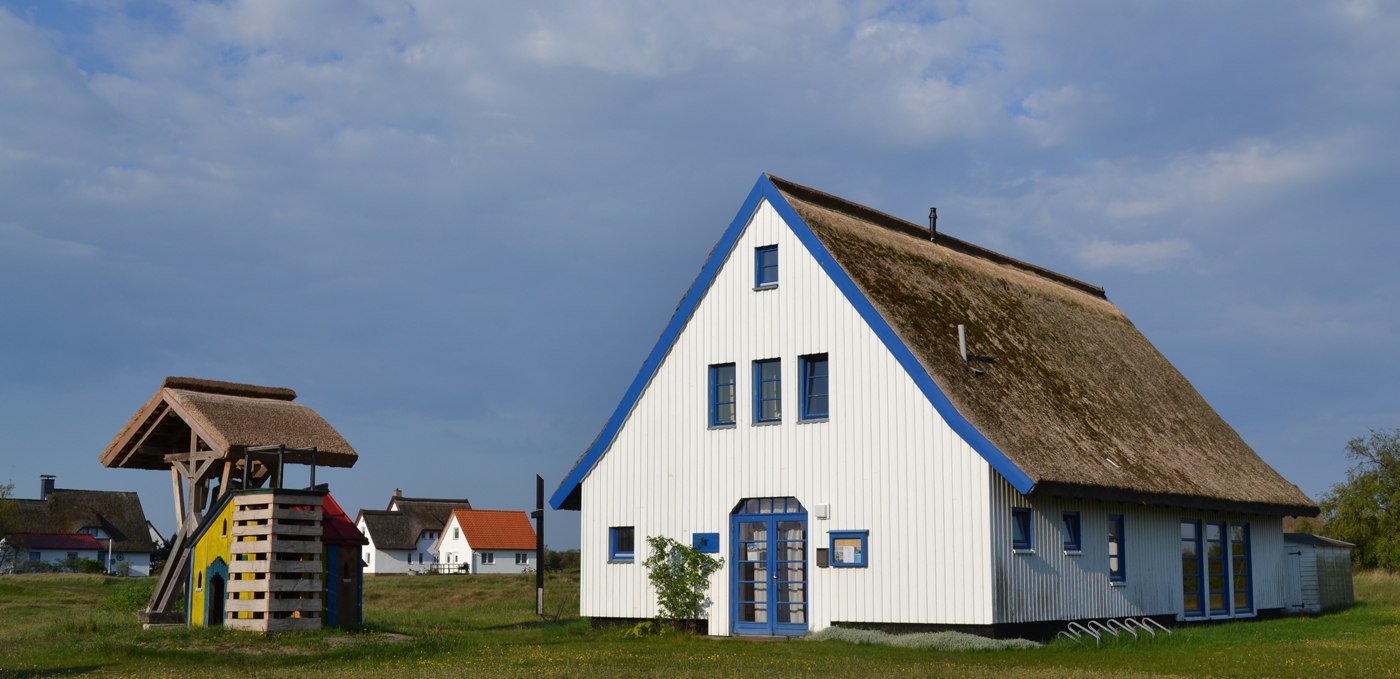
{"points": [[1315, 540], [228, 417], [117, 513], [1068, 398], [496, 528], [336, 527]]}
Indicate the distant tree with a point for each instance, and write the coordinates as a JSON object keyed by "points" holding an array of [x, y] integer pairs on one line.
{"points": [[7, 507], [1365, 509]]}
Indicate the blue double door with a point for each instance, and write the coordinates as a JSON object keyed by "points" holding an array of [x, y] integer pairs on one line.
{"points": [[769, 582]]}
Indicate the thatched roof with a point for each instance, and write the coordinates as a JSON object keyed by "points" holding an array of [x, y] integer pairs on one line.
{"points": [[1065, 385], [117, 513], [1062, 395], [228, 418], [400, 527]]}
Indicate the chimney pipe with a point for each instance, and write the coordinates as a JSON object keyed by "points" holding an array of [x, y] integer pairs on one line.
{"points": [[398, 493], [933, 223], [45, 486]]}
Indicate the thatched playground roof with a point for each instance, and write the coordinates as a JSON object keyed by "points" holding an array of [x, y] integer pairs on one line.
{"points": [[228, 418]]}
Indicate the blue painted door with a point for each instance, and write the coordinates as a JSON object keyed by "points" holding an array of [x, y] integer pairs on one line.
{"points": [[769, 581]]}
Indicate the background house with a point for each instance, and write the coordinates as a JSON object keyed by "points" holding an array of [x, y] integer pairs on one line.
{"points": [[877, 424], [109, 526], [402, 536], [489, 541]]}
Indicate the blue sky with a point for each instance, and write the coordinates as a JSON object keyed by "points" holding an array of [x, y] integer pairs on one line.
{"points": [[456, 228]]}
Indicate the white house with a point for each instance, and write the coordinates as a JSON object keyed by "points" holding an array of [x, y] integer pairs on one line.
{"points": [[488, 541], [876, 424], [106, 526], [402, 538]]}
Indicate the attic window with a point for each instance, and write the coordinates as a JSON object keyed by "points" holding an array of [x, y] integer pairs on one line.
{"points": [[765, 264]]}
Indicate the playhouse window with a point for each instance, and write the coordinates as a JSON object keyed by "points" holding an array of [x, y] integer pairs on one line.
{"points": [[815, 405], [1073, 541], [620, 543], [1117, 554], [850, 548], [765, 261], [1020, 528], [722, 395], [767, 390]]}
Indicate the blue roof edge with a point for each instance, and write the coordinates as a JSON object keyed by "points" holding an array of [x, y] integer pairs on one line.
{"points": [[764, 189]]}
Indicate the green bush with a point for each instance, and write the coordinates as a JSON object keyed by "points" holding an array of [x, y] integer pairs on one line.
{"points": [[681, 576], [128, 598]]}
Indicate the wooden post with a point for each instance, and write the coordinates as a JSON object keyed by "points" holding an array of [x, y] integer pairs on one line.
{"points": [[539, 544], [179, 494]]}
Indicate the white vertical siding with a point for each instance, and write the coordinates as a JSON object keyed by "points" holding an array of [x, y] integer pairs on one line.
{"points": [[884, 462], [1052, 585]]}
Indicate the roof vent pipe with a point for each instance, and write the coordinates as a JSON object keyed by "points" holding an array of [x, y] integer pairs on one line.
{"points": [[45, 486], [933, 223], [962, 341]]}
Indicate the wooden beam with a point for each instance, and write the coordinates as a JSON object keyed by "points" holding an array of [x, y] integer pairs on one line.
{"points": [[223, 480], [179, 494], [164, 410], [122, 450], [195, 427]]}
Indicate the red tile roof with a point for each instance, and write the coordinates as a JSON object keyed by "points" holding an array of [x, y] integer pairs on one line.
{"points": [[495, 529], [336, 527], [81, 541]]}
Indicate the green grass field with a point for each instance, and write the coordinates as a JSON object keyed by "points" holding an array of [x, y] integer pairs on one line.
{"points": [[79, 625]]}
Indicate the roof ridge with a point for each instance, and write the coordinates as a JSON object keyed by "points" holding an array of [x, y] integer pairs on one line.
{"points": [[893, 223], [221, 387]]}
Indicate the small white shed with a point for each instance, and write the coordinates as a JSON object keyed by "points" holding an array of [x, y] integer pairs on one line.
{"points": [[1318, 573]]}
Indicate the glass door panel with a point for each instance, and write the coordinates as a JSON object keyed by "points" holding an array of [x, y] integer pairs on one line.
{"points": [[770, 573]]}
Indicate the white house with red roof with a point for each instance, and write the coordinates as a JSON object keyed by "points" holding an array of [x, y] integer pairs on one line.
{"points": [[488, 541]]}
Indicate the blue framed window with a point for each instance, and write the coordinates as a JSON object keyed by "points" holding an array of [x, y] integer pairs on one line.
{"points": [[1241, 567], [1193, 579], [767, 390], [722, 395], [621, 541], [850, 548], [1117, 554], [814, 397], [1020, 528], [765, 266], [1073, 540]]}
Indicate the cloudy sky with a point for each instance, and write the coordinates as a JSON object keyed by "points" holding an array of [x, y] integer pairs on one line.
{"points": [[456, 228]]}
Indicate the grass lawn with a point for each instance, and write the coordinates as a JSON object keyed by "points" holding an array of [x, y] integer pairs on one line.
{"points": [[484, 625]]}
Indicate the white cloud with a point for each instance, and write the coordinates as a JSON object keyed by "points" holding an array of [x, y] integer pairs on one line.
{"points": [[1143, 256], [28, 244]]}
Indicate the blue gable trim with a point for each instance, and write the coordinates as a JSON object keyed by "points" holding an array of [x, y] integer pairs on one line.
{"points": [[764, 189]]}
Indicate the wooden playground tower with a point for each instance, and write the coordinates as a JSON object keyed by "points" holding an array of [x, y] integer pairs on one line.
{"points": [[217, 438]]}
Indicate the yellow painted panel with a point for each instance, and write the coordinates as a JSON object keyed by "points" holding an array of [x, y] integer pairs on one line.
{"points": [[213, 544]]}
